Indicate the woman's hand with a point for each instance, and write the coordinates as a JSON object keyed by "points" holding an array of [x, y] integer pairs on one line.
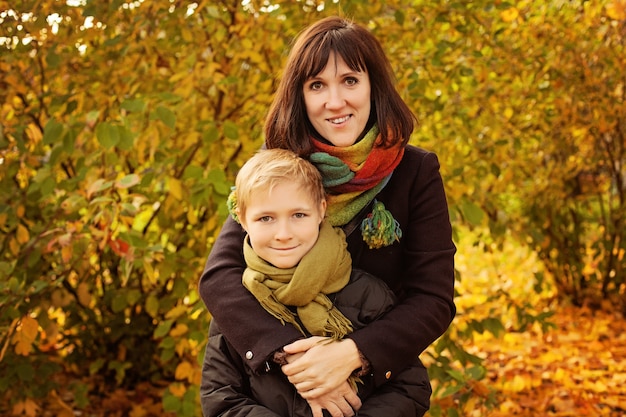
{"points": [[342, 402], [320, 374]]}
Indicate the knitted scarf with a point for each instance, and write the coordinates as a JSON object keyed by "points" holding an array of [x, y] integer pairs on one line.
{"points": [[325, 269], [353, 176]]}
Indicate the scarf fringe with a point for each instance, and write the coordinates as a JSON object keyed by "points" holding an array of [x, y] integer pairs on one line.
{"points": [[280, 311], [337, 325]]}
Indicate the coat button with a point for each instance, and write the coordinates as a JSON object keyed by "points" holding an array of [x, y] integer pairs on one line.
{"points": [[388, 374], [249, 355]]}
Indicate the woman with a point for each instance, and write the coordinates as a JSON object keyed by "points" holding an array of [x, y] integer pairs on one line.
{"points": [[337, 105]]}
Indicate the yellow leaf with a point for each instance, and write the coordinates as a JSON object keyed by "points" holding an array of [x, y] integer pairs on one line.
{"points": [[150, 272], [192, 216], [179, 330], [184, 370], [517, 384], [84, 296], [616, 9], [3, 219], [509, 14], [176, 189], [22, 234], [176, 312]]}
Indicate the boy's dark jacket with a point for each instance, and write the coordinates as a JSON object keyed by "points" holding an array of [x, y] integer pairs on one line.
{"points": [[230, 388]]}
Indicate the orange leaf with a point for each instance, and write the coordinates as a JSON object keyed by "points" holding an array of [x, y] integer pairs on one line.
{"points": [[27, 407], [22, 234], [66, 253], [177, 389], [184, 370], [25, 335]]}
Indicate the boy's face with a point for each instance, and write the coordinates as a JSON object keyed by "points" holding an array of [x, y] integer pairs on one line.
{"points": [[283, 224]]}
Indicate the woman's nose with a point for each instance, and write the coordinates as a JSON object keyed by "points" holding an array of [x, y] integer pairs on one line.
{"points": [[334, 99]]}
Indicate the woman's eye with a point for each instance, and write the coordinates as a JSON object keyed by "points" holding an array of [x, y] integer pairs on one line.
{"points": [[316, 85], [352, 81]]}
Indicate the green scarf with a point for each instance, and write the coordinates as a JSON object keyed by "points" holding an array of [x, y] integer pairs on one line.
{"points": [[325, 269]]}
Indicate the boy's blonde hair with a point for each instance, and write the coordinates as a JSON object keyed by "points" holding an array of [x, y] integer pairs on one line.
{"points": [[269, 167]]}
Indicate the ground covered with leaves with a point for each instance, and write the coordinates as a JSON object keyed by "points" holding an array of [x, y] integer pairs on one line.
{"points": [[577, 368]]}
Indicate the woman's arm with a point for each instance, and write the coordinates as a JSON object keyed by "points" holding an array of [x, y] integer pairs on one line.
{"points": [[420, 269], [251, 330]]}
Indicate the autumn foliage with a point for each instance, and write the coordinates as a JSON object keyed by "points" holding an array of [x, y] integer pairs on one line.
{"points": [[123, 123]]}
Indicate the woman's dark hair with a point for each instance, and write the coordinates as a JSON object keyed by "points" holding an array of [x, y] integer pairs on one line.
{"points": [[287, 125]]}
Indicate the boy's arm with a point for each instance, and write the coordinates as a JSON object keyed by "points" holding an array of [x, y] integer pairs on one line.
{"points": [[223, 389]]}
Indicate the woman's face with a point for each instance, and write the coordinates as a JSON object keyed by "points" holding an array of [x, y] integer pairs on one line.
{"points": [[337, 102]]}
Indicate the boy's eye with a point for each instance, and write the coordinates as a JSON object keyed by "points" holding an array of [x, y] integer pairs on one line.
{"points": [[299, 215], [265, 219]]}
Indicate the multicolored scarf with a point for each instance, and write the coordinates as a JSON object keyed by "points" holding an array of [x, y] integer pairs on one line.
{"points": [[353, 176]]}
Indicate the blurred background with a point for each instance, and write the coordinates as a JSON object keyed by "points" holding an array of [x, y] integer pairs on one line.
{"points": [[122, 125]]}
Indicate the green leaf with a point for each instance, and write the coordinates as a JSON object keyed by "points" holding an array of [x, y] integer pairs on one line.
{"points": [[52, 59], [163, 328], [171, 404], [136, 105], [119, 303], [152, 305], [458, 376], [52, 132], [494, 326], [128, 181], [25, 371], [472, 213], [166, 116], [210, 134], [127, 139], [4, 143], [108, 135], [231, 130], [217, 177]]}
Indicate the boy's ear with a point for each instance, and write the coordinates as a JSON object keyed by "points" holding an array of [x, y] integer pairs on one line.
{"points": [[241, 220], [323, 206]]}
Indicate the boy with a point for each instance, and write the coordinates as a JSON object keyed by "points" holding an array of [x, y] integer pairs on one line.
{"points": [[299, 269]]}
